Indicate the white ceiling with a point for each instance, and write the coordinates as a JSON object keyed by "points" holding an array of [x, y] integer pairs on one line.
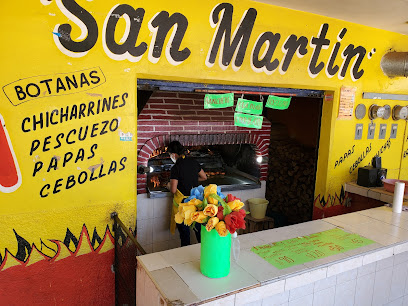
{"points": [[391, 15]]}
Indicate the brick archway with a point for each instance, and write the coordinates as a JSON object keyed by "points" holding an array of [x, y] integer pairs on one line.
{"points": [[181, 116]]}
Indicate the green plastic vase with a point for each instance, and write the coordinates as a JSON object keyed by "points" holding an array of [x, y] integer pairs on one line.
{"points": [[215, 258]]}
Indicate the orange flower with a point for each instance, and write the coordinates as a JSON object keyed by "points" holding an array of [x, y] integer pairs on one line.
{"points": [[211, 210], [198, 216], [211, 223]]}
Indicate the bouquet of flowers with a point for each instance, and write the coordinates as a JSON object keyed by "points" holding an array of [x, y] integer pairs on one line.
{"points": [[209, 207]]}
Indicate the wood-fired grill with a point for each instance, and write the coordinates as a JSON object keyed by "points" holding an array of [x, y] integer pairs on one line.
{"points": [[212, 162]]}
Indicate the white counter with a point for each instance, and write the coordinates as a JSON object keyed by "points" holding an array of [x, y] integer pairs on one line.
{"points": [[375, 273], [376, 193]]}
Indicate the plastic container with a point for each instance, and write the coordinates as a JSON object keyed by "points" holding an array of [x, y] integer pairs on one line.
{"points": [[215, 260], [257, 207], [389, 185], [235, 246]]}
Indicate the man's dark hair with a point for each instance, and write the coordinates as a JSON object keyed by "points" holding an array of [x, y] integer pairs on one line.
{"points": [[175, 147]]}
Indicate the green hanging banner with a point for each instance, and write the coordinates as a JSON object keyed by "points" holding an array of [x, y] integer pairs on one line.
{"points": [[278, 102], [218, 101], [248, 121], [249, 107]]}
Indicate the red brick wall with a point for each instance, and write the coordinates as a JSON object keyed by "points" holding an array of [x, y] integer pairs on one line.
{"points": [[171, 116]]}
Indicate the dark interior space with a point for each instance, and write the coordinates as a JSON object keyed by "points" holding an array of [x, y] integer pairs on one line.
{"points": [[293, 155]]}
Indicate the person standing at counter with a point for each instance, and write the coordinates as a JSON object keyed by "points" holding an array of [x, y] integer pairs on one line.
{"points": [[184, 175]]}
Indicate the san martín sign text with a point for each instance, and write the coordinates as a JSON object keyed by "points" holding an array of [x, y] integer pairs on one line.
{"points": [[231, 45]]}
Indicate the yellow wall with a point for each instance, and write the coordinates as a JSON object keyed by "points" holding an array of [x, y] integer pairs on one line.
{"points": [[29, 50]]}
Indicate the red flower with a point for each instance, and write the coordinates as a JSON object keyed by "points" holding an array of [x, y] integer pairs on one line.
{"points": [[220, 214], [235, 220], [231, 198]]}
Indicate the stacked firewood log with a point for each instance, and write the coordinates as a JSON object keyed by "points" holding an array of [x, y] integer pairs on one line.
{"points": [[291, 180]]}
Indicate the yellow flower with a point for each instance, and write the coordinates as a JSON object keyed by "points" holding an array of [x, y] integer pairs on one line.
{"points": [[211, 200], [180, 206], [210, 189], [221, 228], [198, 216], [211, 210], [211, 223], [194, 202], [178, 218], [187, 217], [184, 208], [235, 205]]}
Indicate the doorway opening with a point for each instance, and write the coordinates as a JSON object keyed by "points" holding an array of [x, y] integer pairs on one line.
{"points": [[293, 154], [289, 169]]}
